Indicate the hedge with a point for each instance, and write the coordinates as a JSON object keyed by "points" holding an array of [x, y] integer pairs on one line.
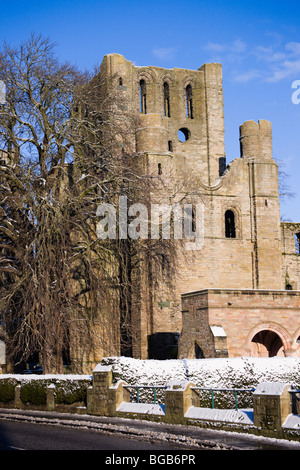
{"points": [[33, 391]]}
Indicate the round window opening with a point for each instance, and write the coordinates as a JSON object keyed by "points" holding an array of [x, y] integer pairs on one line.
{"points": [[183, 134]]}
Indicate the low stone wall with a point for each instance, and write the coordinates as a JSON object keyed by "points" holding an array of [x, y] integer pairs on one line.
{"points": [[273, 412], [271, 415]]}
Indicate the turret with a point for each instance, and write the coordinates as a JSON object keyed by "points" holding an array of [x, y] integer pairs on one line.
{"points": [[256, 139], [256, 147]]}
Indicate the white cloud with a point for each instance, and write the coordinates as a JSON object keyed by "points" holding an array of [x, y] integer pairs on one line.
{"points": [[268, 63], [238, 46], [286, 69], [280, 61], [247, 76], [231, 53], [214, 47], [164, 53], [294, 47]]}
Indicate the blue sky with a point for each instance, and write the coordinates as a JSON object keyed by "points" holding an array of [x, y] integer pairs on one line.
{"points": [[258, 44]]}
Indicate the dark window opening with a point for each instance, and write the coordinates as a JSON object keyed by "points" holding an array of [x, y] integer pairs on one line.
{"points": [[143, 97], [121, 81], [194, 219], [163, 345], [297, 243], [183, 134], [166, 100], [230, 231], [199, 354], [170, 146], [222, 166], [189, 101], [159, 169], [289, 287], [189, 221]]}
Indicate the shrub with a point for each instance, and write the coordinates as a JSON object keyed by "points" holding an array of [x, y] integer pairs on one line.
{"points": [[7, 390], [34, 392], [71, 391]]}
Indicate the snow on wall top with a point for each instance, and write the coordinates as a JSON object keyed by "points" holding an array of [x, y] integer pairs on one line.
{"points": [[269, 388]]}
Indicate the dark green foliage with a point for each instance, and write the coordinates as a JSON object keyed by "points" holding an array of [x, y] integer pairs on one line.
{"points": [[34, 392], [7, 390], [68, 392]]}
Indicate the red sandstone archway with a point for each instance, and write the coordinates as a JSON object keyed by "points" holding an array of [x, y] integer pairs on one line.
{"points": [[268, 340], [266, 343]]}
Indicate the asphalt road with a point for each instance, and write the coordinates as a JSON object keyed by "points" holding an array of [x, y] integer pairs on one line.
{"points": [[36, 430], [29, 436]]}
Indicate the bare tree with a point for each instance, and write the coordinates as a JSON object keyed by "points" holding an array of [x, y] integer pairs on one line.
{"points": [[56, 168], [67, 143]]}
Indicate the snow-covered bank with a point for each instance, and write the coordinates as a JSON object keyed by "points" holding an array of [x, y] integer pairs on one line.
{"points": [[239, 372]]}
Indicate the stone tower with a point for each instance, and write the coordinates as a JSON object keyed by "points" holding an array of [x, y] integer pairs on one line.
{"points": [[256, 148], [179, 136]]}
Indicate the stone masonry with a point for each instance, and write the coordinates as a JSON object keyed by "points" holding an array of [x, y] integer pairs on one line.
{"points": [[245, 277], [234, 288]]}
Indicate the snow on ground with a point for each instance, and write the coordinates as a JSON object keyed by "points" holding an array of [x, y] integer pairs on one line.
{"points": [[228, 373], [229, 416], [51, 377]]}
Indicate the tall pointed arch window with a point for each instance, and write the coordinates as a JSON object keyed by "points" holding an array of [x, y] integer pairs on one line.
{"points": [[230, 228], [189, 101], [166, 100], [143, 97]]}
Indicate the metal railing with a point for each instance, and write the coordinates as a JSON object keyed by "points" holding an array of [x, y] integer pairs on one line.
{"points": [[212, 391], [149, 387], [295, 401], [136, 397]]}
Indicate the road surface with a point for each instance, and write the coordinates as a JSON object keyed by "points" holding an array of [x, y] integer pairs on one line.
{"points": [[29, 436], [37, 430]]}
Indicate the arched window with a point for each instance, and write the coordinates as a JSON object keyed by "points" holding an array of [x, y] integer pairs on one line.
{"points": [[189, 101], [166, 100], [230, 230], [143, 101]]}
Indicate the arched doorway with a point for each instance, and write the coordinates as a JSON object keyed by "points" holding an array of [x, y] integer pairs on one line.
{"points": [[267, 343]]}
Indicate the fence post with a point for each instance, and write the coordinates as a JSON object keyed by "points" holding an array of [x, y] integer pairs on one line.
{"points": [[50, 401], [178, 399], [103, 398], [17, 400], [271, 406]]}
